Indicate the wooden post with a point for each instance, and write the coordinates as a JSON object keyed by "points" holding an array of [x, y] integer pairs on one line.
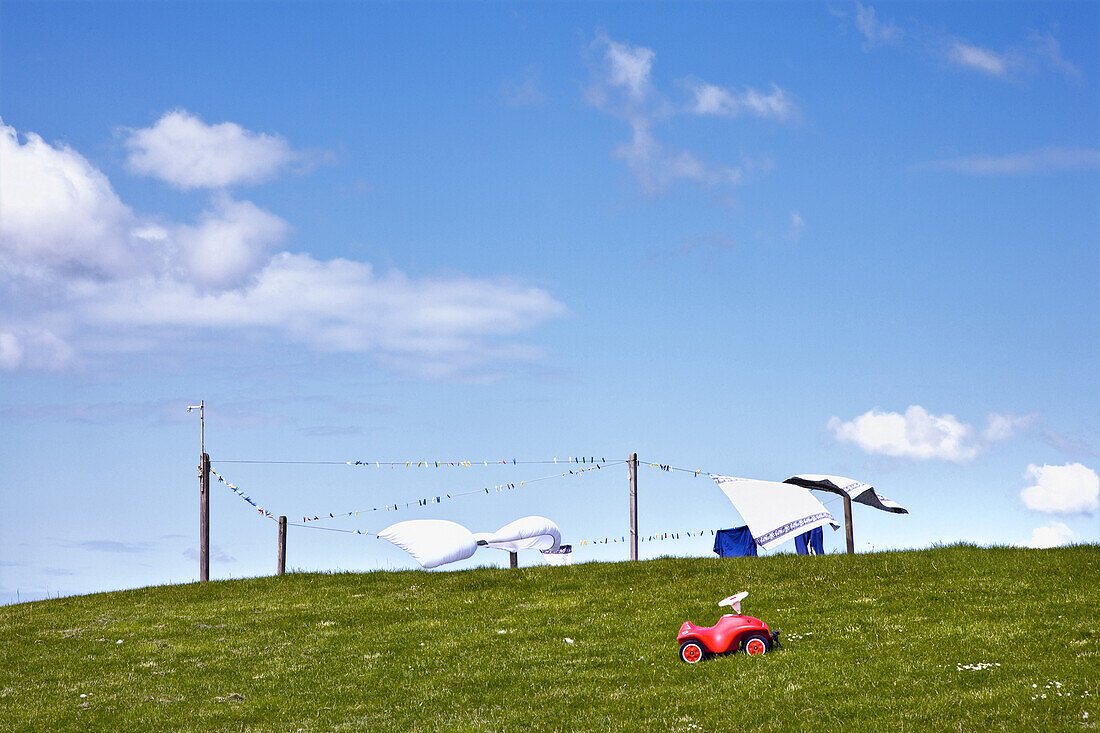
{"points": [[632, 473], [204, 518], [848, 536], [280, 569], [513, 560]]}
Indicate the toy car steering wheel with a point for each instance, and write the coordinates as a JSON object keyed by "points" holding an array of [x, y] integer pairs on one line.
{"points": [[734, 601]]}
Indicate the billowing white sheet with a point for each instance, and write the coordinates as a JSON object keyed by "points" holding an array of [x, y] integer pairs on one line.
{"points": [[775, 512], [526, 533], [856, 490], [432, 542]]}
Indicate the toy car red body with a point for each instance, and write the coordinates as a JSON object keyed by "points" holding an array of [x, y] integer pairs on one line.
{"points": [[732, 632]]}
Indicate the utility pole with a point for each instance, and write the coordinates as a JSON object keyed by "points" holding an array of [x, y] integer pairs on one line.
{"points": [[632, 473], [204, 518], [204, 495]]}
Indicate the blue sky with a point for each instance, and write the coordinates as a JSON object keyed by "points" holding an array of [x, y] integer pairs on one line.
{"points": [[750, 239]]}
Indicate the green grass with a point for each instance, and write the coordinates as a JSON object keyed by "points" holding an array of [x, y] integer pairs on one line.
{"points": [[872, 642]]}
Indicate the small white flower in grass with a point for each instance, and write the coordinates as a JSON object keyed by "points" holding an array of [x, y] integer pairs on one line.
{"points": [[568, 640], [119, 641], [83, 695]]}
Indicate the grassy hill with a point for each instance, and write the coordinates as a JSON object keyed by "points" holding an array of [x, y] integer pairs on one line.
{"points": [[885, 641]]}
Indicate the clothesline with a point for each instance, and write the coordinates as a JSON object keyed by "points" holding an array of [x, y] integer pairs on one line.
{"points": [[410, 504], [263, 512], [454, 495], [426, 463], [666, 467]]}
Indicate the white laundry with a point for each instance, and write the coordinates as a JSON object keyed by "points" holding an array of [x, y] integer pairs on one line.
{"points": [[856, 490], [775, 512]]}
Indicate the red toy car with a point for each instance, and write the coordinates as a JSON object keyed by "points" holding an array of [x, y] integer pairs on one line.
{"points": [[732, 632]]}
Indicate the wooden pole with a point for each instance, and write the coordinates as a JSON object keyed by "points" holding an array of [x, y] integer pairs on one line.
{"points": [[204, 518], [513, 560], [848, 536], [632, 473], [280, 568]]}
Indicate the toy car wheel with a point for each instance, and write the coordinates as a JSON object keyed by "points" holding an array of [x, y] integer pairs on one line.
{"points": [[757, 645], [692, 651]]}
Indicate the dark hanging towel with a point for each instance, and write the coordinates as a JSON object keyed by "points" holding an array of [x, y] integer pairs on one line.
{"points": [[736, 542], [810, 543]]}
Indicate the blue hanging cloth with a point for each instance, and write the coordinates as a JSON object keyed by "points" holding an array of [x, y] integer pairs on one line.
{"points": [[736, 542], [810, 543]]}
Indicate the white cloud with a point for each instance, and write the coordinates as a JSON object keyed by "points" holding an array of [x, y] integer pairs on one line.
{"points": [[916, 434], [920, 434], [57, 211], [33, 348], [1047, 50], [59, 214], [1034, 162], [221, 277], [1054, 535], [622, 86], [874, 31], [713, 100], [1040, 49], [436, 327], [628, 66], [656, 168], [979, 59], [338, 305], [229, 244], [1002, 427], [11, 352], [188, 153], [1069, 489]]}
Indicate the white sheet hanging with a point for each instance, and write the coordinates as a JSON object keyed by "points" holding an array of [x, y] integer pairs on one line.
{"points": [[526, 533], [856, 490], [432, 542], [775, 512]]}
